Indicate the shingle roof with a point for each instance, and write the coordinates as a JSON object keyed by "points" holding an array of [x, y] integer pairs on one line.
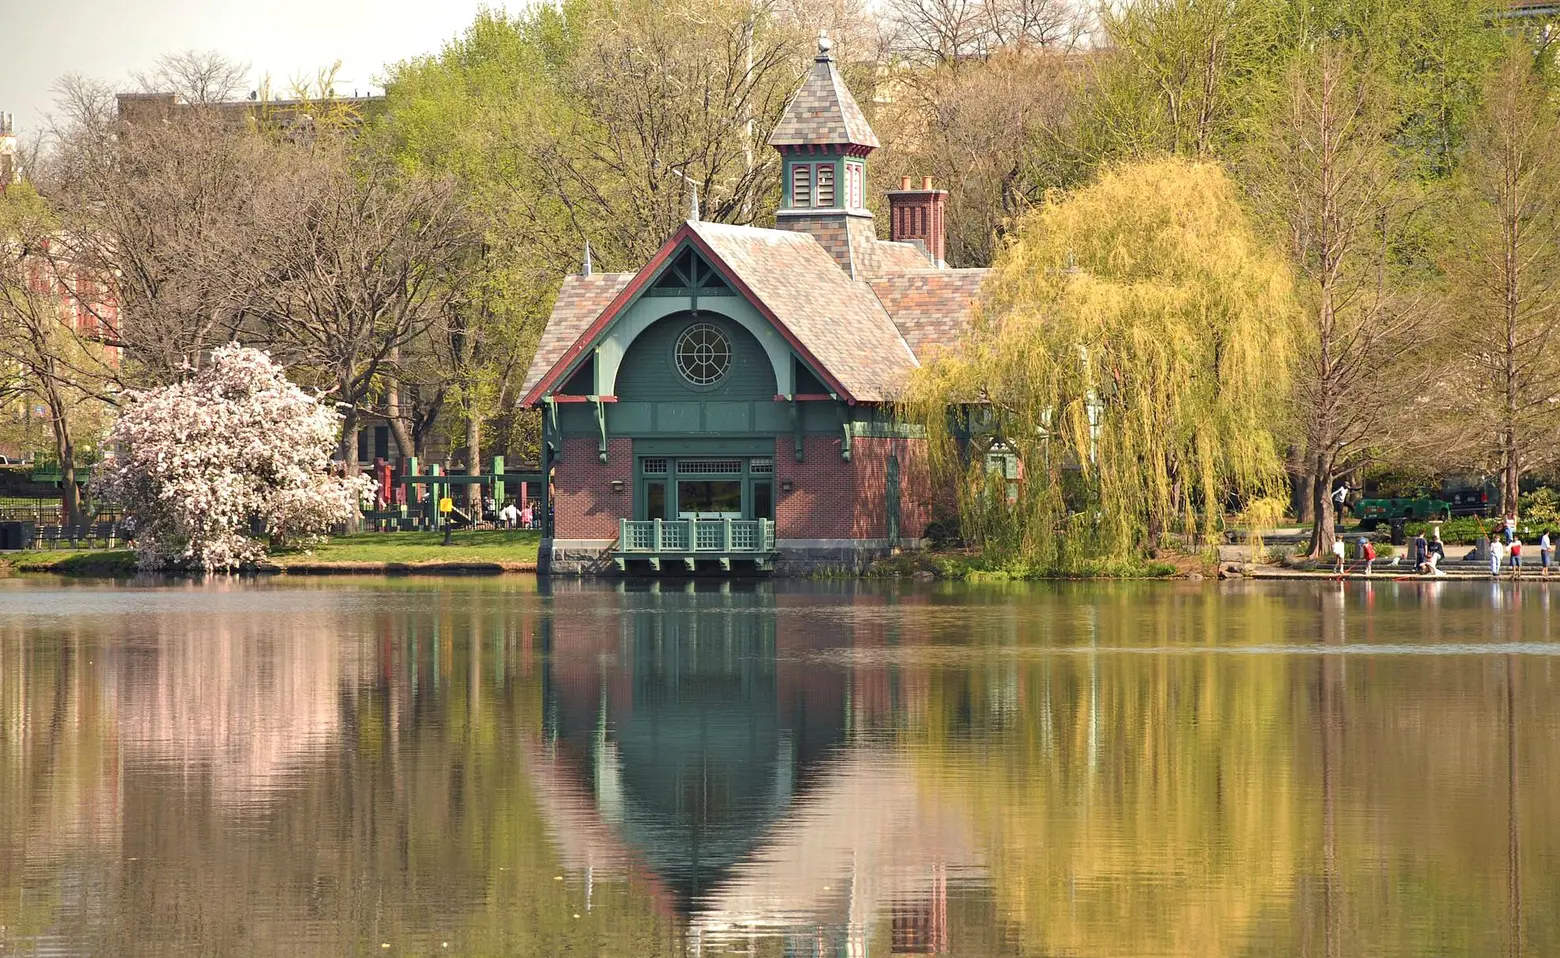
{"points": [[866, 336], [579, 302], [931, 307], [823, 113], [899, 257], [839, 321]]}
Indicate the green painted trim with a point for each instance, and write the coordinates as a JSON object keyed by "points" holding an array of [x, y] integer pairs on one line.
{"points": [[885, 430], [694, 446], [813, 161], [796, 429], [601, 424], [686, 293], [613, 345], [552, 417]]}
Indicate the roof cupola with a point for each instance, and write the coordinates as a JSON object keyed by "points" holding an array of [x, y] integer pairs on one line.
{"points": [[824, 139]]}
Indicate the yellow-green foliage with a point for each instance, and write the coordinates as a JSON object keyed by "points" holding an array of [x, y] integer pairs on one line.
{"points": [[1149, 297]]}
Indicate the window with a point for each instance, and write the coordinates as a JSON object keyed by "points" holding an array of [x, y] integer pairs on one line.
{"points": [[709, 498], [653, 465], [703, 354], [801, 185], [709, 467], [764, 466], [825, 185]]}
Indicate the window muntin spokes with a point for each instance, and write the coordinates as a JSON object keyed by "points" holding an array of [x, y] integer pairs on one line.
{"points": [[703, 354]]}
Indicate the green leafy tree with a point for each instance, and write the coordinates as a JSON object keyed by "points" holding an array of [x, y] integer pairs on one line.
{"points": [[60, 366], [580, 122], [1328, 177], [1503, 275]]}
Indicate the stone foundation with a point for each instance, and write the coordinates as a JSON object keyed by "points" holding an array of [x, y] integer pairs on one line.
{"points": [[575, 557], [795, 558]]}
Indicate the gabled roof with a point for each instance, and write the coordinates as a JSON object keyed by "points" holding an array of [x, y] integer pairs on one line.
{"points": [[580, 300], [839, 322], [931, 307], [835, 324], [823, 113]]}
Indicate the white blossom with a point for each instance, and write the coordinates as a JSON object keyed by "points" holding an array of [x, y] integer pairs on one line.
{"points": [[208, 470]]}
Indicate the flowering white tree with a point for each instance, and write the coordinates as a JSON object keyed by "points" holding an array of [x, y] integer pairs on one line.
{"points": [[201, 465]]}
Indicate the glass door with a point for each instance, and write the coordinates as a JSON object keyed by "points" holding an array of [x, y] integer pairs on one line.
{"points": [[710, 488], [761, 500], [652, 499], [709, 498], [704, 488], [650, 488]]}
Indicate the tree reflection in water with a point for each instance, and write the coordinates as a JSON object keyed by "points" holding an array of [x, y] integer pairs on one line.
{"points": [[777, 769]]}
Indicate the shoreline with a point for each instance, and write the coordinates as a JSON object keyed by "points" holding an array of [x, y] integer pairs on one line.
{"points": [[516, 553]]}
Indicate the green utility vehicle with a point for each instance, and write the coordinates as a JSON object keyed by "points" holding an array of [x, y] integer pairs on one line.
{"points": [[1373, 512]]}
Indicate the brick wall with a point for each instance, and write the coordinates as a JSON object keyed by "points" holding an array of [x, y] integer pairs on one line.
{"points": [[836, 499], [831, 498], [584, 505]]}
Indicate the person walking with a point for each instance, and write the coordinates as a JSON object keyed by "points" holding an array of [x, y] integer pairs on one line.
{"points": [[1337, 551], [1544, 553], [526, 515], [508, 516], [1340, 498]]}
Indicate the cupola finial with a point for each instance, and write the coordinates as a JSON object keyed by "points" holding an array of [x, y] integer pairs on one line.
{"points": [[588, 268], [824, 46], [693, 205]]}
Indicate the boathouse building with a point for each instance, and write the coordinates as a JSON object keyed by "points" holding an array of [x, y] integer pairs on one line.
{"points": [[730, 404]]}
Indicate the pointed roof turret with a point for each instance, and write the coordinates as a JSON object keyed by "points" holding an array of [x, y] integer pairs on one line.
{"points": [[823, 113]]}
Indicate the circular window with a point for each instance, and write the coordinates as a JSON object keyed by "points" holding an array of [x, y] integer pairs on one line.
{"points": [[703, 354]]}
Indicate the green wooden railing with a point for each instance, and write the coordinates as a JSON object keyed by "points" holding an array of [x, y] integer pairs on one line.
{"points": [[715, 537]]}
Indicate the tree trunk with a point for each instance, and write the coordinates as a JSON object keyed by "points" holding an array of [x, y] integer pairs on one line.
{"points": [[403, 438], [1510, 476], [474, 460], [65, 450], [1323, 530], [1300, 486], [349, 460]]}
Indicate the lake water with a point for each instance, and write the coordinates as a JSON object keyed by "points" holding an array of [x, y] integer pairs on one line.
{"points": [[496, 767]]}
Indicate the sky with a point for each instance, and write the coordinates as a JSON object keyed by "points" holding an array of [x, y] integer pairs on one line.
{"points": [[42, 40]]}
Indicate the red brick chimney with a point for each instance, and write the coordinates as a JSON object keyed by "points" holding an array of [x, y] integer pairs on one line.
{"points": [[917, 215]]}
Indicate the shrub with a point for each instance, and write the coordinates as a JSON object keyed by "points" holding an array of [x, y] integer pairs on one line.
{"points": [[1459, 529], [1539, 510], [211, 467]]}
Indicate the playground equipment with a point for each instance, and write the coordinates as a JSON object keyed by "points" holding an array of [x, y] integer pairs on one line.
{"points": [[418, 507]]}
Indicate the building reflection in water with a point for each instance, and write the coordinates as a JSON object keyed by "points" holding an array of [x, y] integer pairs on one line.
{"points": [[778, 769], [692, 735]]}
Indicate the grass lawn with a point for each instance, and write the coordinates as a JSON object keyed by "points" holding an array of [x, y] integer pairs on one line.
{"points": [[508, 548], [486, 551], [88, 562]]}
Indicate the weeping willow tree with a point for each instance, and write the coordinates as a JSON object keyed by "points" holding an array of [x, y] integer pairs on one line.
{"points": [[1126, 380]]}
